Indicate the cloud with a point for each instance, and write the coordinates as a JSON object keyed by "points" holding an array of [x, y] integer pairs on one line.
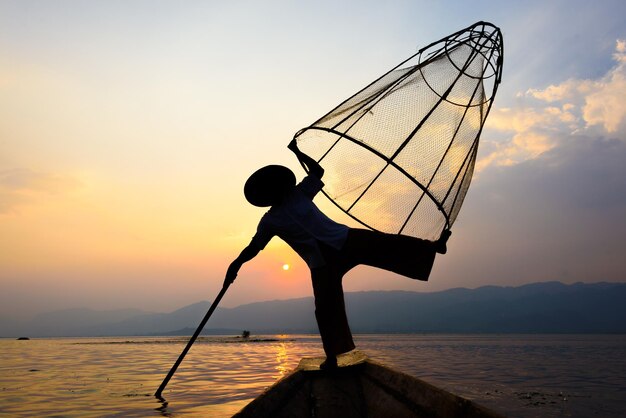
{"points": [[23, 186], [545, 118], [620, 48], [571, 90], [527, 134], [605, 105], [550, 200], [558, 216]]}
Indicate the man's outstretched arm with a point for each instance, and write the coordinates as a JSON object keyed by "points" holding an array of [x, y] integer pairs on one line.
{"points": [[312, 166], [247, 254]]}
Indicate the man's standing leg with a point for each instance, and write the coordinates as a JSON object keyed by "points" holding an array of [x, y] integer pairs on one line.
{"points": [[330, 312]]}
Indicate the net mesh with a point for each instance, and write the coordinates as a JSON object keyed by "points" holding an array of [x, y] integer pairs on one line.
{"points": [[399, 154]]}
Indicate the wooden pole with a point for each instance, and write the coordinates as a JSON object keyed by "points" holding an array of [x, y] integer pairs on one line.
{"points": [[191, 341]]}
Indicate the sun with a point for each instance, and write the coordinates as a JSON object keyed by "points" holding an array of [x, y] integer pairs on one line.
{"points": [[285, 267]]}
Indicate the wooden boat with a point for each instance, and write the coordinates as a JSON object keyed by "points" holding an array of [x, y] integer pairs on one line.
{"points": [[359, 387]]}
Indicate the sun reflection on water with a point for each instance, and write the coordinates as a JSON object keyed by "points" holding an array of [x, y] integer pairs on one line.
{"points": [[282, 366]]}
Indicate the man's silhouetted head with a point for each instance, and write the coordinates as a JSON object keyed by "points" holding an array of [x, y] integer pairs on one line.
{"points": [[269, 185]]}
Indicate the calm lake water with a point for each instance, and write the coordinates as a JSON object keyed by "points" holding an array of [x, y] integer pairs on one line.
{"points": [[518, 375]]}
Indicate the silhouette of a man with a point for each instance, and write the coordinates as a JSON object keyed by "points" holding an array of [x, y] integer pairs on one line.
{"points": [[330, 249]]}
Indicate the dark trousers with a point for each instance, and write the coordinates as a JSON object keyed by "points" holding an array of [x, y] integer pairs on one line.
{"points": [[411, 257]]}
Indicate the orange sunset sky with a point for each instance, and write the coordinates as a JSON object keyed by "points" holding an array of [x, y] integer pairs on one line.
{"points": [[127, 131]]}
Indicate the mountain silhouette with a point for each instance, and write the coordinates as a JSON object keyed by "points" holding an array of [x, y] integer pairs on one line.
{"points": [[549, 307]]}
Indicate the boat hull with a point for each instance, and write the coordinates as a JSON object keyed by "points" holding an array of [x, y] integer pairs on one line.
{"points": [[360, 387]]}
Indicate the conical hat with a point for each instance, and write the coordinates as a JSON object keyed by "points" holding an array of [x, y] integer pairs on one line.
{"points": [[268, 185]]}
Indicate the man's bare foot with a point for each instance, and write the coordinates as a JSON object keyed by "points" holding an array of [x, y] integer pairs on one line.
{"points": [[329, 363], [441, 243]]}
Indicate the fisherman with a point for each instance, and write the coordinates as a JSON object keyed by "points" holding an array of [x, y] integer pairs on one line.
{"points": [[330, 249]]}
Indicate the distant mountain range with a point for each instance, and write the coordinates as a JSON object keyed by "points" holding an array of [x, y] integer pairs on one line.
{"points": [[550, 307]]}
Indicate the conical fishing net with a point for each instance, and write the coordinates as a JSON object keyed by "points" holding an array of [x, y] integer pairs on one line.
{"points": [[399, 154]]}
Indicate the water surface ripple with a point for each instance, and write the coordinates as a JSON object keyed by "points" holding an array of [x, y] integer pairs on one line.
{"points": [[519, 375]]}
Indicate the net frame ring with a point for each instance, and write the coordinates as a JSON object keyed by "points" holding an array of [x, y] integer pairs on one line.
{"points": [[493, 43]]}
